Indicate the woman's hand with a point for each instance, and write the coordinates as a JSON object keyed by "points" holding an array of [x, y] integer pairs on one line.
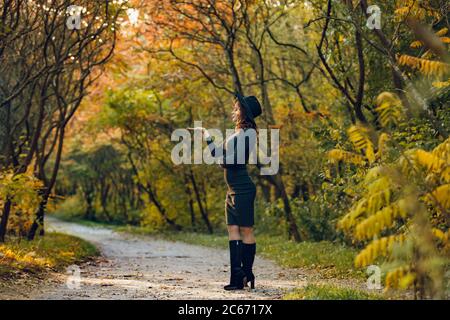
{"points": [[204, 132], [197, 128]]}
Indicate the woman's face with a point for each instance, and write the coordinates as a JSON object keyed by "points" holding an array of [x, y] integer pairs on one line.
{"points": [[236, 112]]}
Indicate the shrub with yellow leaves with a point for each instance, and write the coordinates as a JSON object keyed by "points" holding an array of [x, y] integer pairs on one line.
{"points": [[414, 9], [405, 203], [364, 149], [23, 191], [425, 64], [388, 108]]}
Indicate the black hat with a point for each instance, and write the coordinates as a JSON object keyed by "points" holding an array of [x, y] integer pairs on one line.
{"points": [[251, 105]]}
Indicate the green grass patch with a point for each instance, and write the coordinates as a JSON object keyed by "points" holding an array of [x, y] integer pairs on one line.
{"points": [[331, 259], [330, 292], [54, 251]]}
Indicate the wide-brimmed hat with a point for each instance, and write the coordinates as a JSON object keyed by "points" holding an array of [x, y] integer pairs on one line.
{"points": [[251, 105]]}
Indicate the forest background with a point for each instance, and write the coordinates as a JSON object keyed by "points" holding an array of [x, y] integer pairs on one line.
{"points": [[87, 115]]}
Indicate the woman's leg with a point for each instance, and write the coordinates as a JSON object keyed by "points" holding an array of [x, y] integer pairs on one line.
{"points": [[247, 235], [237, 274], [248, 253], [233, 232]]}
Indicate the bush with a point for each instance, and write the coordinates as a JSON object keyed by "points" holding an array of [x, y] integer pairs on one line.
{"points": [[70, 208], [317, 218], [269, 219]]}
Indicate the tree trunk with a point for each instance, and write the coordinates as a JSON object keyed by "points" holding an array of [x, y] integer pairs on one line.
{"points": [[161, 209], [233, 70], [290, 219], [39, 221], [191, 203], [203, 213], [89, 214], [4, 221]]}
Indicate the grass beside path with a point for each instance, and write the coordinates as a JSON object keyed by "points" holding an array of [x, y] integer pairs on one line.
{"points": [[330, 292], [54, 251]]}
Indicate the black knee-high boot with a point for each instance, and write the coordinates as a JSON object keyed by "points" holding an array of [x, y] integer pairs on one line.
{"points": [[237, 277], [248, 257]]}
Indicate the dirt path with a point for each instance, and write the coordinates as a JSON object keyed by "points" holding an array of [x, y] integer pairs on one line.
{"points": [[141, 267]]}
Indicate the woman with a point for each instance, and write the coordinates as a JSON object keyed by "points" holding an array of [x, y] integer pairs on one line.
{"points": [[239, 202]]}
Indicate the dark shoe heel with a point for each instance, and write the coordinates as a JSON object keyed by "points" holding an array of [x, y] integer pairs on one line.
{"points": [[248, 257]]}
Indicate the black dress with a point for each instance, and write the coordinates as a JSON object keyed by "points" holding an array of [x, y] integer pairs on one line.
{"points": [[241, 193]]}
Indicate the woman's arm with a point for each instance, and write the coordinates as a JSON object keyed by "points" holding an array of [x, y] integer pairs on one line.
{"points": [[229, 159], [213, 147]]}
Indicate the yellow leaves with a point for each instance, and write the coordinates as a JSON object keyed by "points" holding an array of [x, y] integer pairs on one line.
{"points": [[404, 12], [370, 154], [439, 234], [414, 9], [441, 33], [22, 190], [427, 67], [416, 44], [336, 155], [389, 108], [443, 151], [445, 174], [375, 208], [382, 144], [17, 185], [22, 259], [440, 197], [377, 248], [359, 137], [400, 277], [350, 219], [376, 201], [429, 160], [390, 205], [441, 84], [383, 183], [373, 174], [437, 162], [381, 220], [52, 251], [387, 97]]}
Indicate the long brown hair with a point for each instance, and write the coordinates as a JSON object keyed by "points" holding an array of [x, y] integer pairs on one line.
{"points": [[242, 122]]}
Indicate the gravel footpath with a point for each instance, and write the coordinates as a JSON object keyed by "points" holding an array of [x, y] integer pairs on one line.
{"points": [[142, 267]]}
